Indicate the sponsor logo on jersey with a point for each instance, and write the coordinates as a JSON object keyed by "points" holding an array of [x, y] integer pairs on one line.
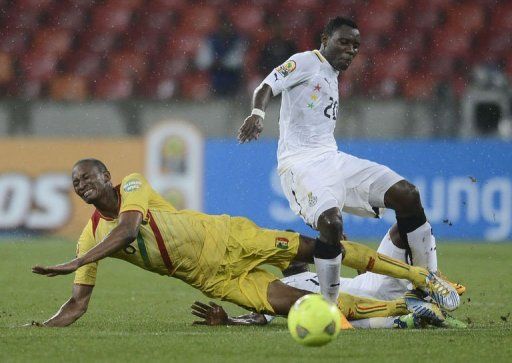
{"points": [[282, 243], [286, 68], [132, 185], [312, 199]]}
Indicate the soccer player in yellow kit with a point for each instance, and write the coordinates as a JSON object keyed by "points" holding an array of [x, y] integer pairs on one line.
{"points": [[217, 254]]}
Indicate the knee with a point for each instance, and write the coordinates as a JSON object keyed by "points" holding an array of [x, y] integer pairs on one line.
{"points": [[330, 226], [405, 197]]}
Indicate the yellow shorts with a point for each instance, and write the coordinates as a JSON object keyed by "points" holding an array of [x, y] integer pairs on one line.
{"points": [[239, 280]]}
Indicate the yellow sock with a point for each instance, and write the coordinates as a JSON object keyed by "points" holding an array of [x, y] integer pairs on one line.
{"points": [[355, 307], [363, 258]]}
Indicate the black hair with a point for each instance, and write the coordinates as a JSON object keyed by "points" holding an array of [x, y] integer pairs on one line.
{"points": [[336, 23], [97, 163]]}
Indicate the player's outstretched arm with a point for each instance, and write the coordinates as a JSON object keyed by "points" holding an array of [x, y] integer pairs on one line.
{"points": [[72, 309], [214, 314], [121, 236], [253, 125]]}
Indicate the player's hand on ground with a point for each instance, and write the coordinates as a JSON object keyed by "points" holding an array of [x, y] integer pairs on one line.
{"points": [[62, 269], [212, 314], [250, 129]]}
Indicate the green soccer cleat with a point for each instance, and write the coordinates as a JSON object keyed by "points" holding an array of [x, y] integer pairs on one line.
{"points": [[409, 321], [422, 309], [442, 292], [452, 323]]}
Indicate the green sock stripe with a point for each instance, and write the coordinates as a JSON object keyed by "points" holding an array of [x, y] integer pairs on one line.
{"points": [[142, 250]]}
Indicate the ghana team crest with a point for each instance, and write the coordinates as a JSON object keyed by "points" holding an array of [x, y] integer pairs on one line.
{"points": [[312, 199], [286, 68]]}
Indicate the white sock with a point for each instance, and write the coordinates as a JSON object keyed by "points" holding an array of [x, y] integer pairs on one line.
{"points": [[328, 271], [423, 247], [387, 248], [374, 323]]}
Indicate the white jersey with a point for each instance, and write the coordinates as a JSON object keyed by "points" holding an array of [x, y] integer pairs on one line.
{"points": [[309, 107]]}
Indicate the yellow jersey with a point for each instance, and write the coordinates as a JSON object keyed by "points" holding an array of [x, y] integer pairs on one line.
{"points": [[185, 244]]}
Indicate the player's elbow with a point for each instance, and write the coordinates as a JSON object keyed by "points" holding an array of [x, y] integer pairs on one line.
{"points": [[129, 235]]}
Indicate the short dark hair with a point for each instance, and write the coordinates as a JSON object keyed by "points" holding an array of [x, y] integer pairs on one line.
{"points": [[97, 163], [336, 23]]}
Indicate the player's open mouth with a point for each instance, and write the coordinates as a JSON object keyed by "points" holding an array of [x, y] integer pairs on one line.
{"points": [[87, 193]]}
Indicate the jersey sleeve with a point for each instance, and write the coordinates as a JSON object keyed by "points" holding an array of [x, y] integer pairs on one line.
{"points": [[86, 275], [294, 71], [135, 193]]}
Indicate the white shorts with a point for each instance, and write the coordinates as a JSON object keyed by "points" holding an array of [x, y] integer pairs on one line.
{"points": [[354, 185]]}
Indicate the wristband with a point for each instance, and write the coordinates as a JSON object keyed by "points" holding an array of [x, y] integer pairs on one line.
{"points": [[258, 112]]}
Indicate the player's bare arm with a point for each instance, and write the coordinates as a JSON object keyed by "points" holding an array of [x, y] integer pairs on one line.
{"points": [[120, 237], [253, 125], [214, 314], [71, 310]]}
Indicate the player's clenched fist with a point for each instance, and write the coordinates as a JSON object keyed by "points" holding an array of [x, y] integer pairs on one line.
{"points": [[250, 129]]}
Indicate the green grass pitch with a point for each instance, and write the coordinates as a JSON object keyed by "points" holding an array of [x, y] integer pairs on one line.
{"points": [[137, 316]]}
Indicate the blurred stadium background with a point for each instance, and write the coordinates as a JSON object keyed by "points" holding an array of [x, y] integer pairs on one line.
{"points": [[161, 87]]}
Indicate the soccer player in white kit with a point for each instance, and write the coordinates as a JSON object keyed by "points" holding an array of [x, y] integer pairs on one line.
{"points": [[318, 180]]}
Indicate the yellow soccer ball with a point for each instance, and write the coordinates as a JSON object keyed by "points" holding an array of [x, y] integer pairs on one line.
{"points": [[314, 321]]}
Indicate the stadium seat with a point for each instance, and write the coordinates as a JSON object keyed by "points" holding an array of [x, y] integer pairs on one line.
{"points": [[6, 70], [168, 5], [33, 4], [68, 88], [110, 19], [38, 66], [437, 66], [393, 64], [112, 86], [82, 63], [377, 18], [129, 63], [155, 20], [467, 16], [164, 66], [247, 18], [451, 42], [142, 40], [419, 86], [52, 40], [458, 84], [124, 4], [508, 65], [156, 87], [501, 18], [20, 18], [413, 43], [490, 46], [67, 16], [424, 15], [182, 43], [199, 20], [371, 44], [13, 41], [196, 86], [95, 41]]}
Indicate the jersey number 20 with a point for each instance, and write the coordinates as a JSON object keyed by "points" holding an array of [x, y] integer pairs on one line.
{"points": [[332, 109]]}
